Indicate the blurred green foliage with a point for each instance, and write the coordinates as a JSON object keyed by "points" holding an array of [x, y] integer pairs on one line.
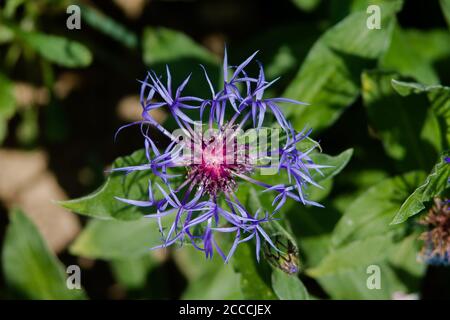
{"points": [[29, 266]]}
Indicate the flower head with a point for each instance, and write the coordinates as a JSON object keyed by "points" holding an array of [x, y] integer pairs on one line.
{"points": [[214, 156], [436, 249]]}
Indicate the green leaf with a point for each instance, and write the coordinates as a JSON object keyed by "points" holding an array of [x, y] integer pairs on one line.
{"points": [[413, 52], [363, 237], [163, 45], [288, 287], [306, 5], [255, 277], [10, 8], [409, 130], [337, 164], [408, 88], [106, 25], [102, 204], [352, 284], [357, 253], [56, 49], [132, 272], [329, 77], [435, 183], [438, 100], [400, 272], [7, 104], [6, 34], [370, 214], [7, 99], [115, 239], [404, 259], [433, 45], [211, 279], [314, 248], [186, 259], [221, 284], [30, 269], [445, 5]]}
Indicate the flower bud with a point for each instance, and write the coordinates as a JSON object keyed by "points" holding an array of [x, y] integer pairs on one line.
{"points": [[286, 259]]}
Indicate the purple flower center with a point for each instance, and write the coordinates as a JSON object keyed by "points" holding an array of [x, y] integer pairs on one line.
{"points": [[217, 164]]}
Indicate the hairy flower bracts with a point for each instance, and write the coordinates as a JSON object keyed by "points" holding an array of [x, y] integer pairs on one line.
{"points": [[194, 180], [436, 248]]}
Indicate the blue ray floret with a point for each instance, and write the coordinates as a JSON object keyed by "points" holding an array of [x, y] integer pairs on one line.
{"points": [[203, 206]]}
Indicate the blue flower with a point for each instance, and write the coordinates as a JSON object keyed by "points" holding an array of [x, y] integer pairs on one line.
{"points": [[205, 204]]}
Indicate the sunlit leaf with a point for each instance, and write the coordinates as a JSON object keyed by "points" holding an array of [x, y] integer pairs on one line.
{"points": [[336, 164], [212, 279], [255, 277], [363, 238], [445, 5], [163, 45], [30, 269], [329, 76], [435, 183], [400, 272], [288, 287], [357, 253], [114, 239], [352, 283], [56, 49], [370, 213], [413, 52], [221, 284]]}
